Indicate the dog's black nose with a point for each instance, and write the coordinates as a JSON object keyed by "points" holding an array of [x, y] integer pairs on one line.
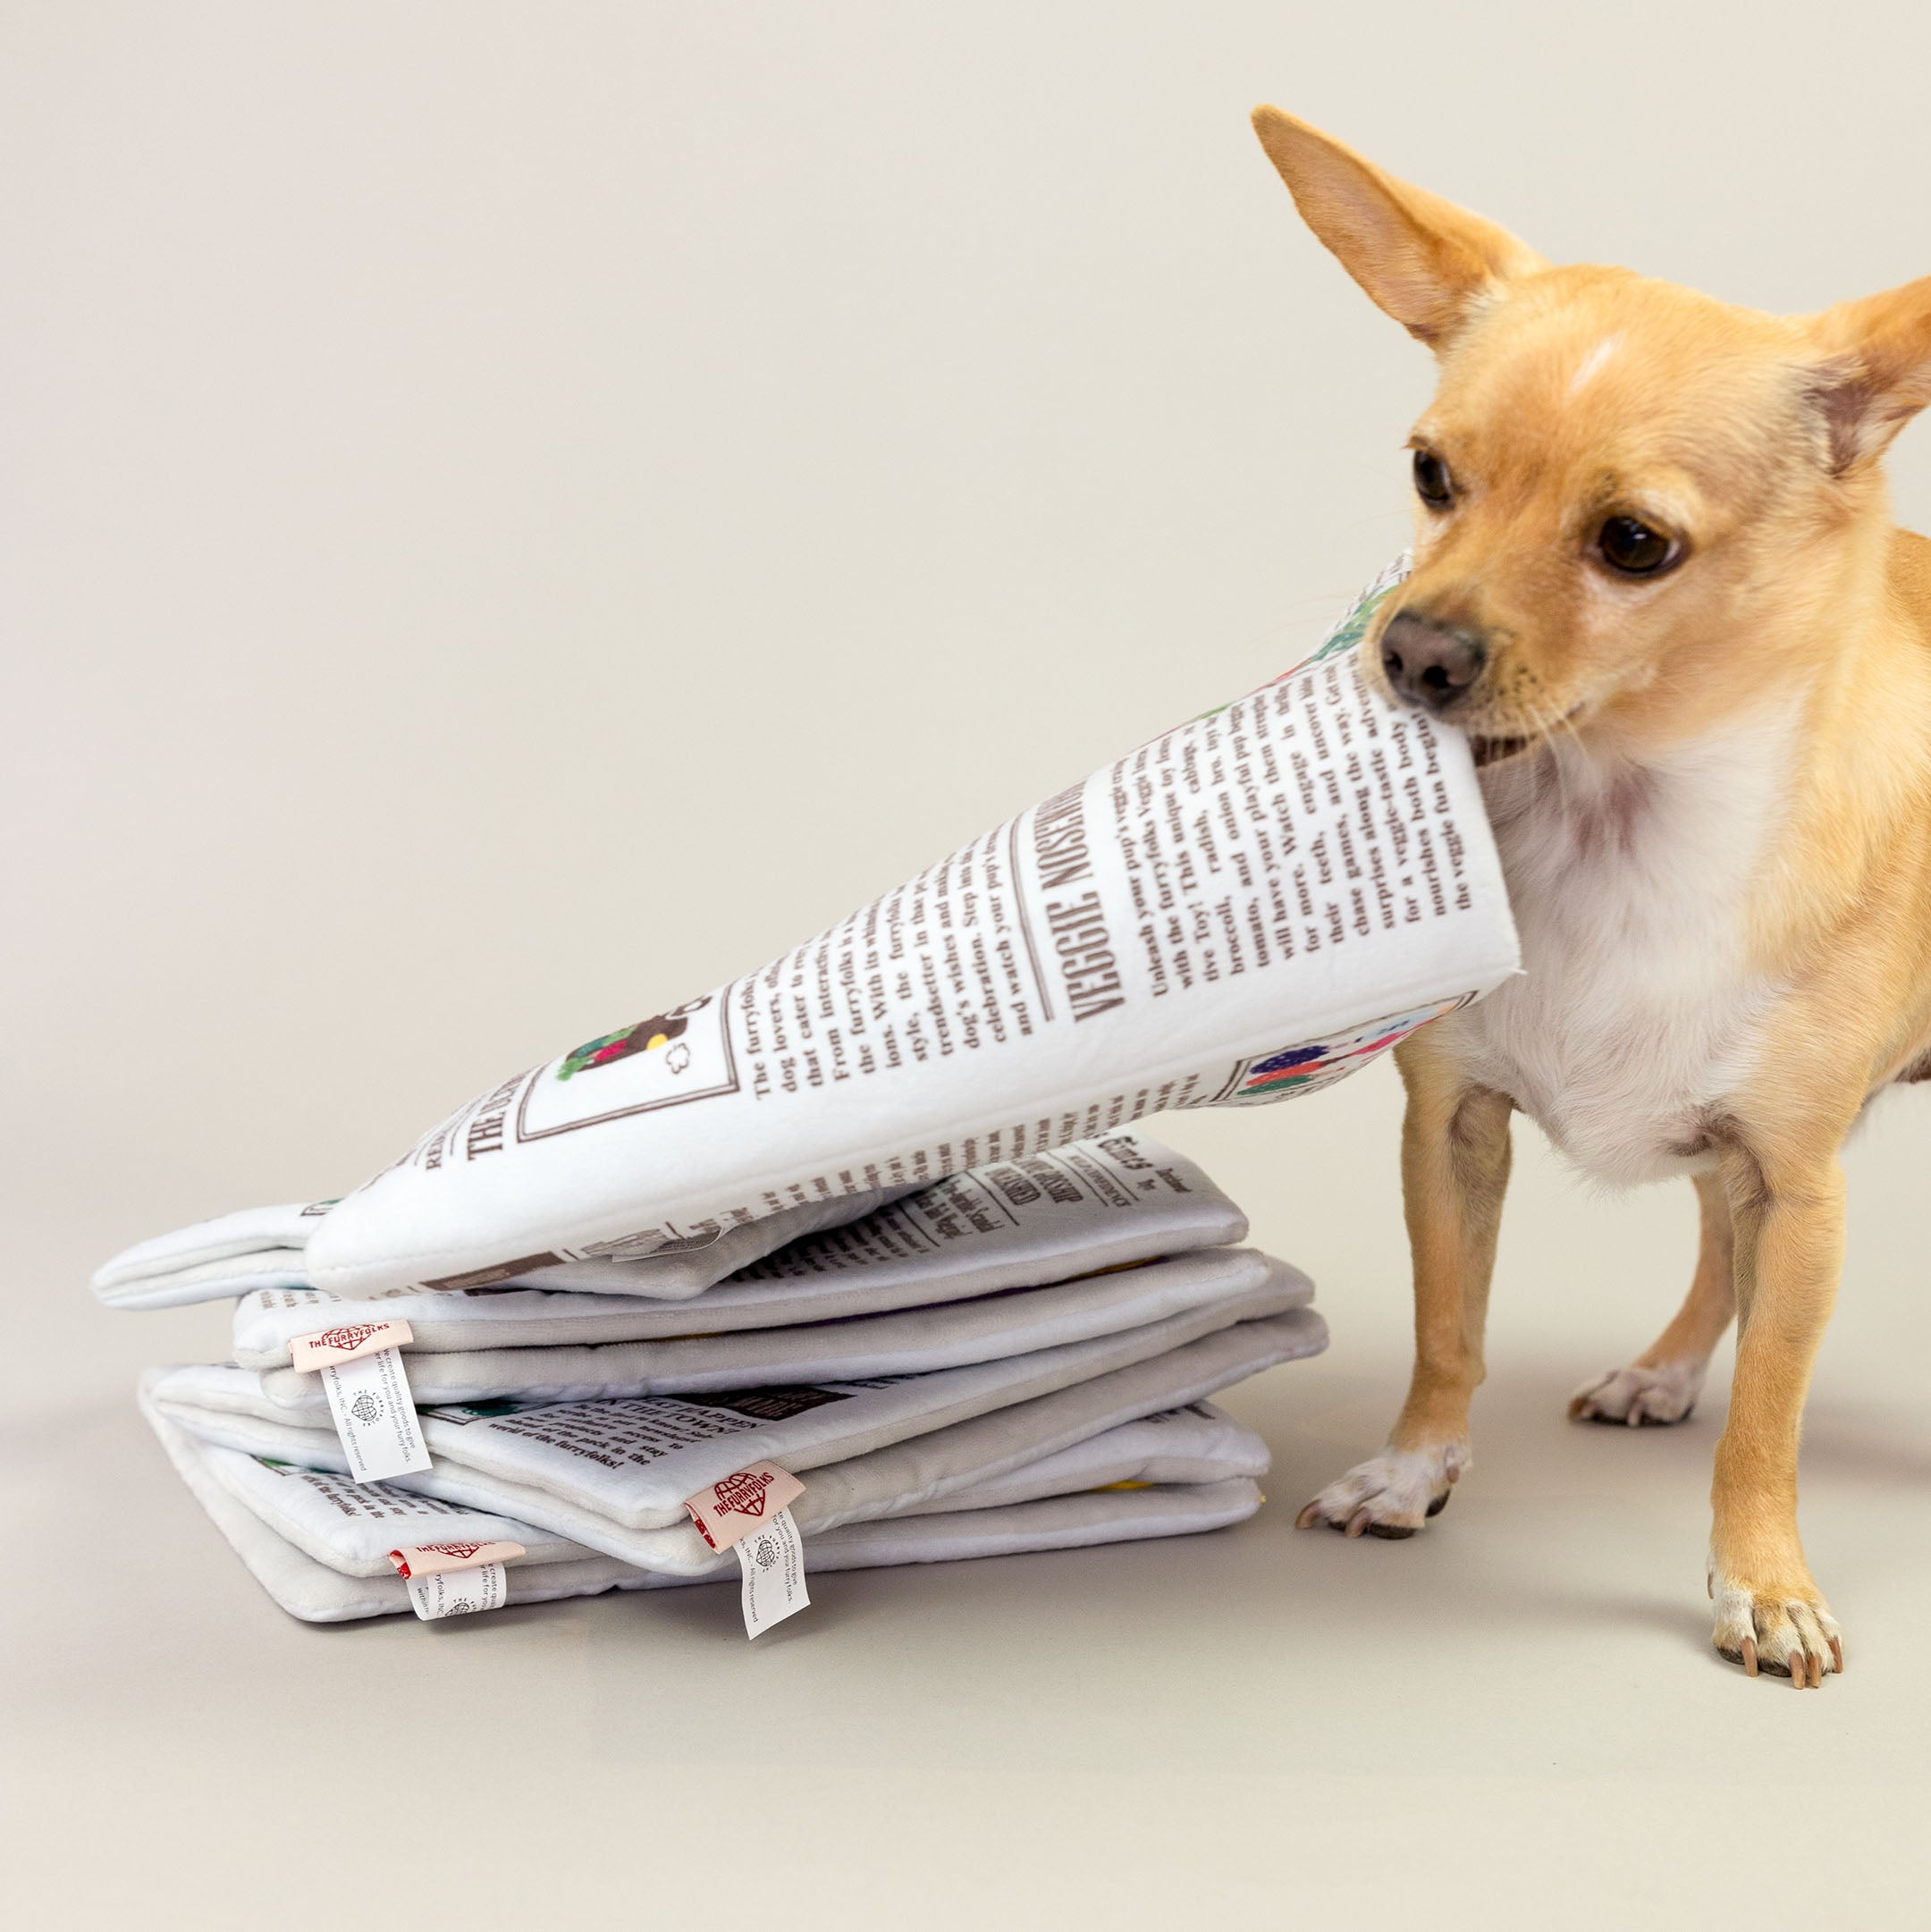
{"points": [[1428, 663]]}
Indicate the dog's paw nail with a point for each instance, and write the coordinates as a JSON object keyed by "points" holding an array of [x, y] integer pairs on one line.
{"points": [[1778, 1633], [1310, 1516], [1438, 1504], [1358, 1522]]}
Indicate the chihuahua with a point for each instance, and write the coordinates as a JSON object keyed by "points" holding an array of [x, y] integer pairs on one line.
{"points": [[1657, 586]]}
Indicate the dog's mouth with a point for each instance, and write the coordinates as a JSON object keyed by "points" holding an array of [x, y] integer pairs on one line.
{"points": [[1490, 751], [1498, 748]]}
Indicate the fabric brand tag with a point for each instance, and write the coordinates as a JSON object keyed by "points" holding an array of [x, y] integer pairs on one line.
{"points": [[735, 1504], [375, 1416], [772, 1560], [427, 1559], [346, 1342], [457, 1592]]}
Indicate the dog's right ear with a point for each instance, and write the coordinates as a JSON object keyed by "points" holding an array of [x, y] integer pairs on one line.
{"points": [[1422, 259]]}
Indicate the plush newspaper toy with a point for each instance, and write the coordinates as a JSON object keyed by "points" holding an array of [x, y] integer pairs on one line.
{"points": [[1251, 906], [1012, 1358]]}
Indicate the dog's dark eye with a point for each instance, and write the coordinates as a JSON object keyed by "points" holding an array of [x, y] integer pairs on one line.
{"points": [[1431, 480], [1632, 547]]}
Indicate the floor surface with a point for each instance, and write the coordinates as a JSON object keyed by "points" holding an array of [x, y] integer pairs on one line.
{"points": [[1514, 1719]]}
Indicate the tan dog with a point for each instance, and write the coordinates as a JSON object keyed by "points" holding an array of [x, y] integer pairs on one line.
{"points": [[1656, 583]]}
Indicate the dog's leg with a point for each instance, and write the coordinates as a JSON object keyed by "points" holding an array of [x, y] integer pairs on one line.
{"points": [[1663, 1383], [1455, 1170], [1789, 1252]]}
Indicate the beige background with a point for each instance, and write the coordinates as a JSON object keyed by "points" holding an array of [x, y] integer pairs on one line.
{"points": [[514, 514]]}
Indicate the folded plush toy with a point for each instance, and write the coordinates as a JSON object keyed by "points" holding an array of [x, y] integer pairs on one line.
{"points": [[357, 1528], [613, 1475], [1251, 905], [271, 1536], [1088, 1206], [911, 1341]]}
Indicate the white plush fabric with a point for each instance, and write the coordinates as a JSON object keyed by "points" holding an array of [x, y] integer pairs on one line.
{"points": [[352, 1527], [612, 1475], [970, 1236], [913, 1341], [318, 1593], [264, 1250], [797, 1427], [1091, 1204], [211, 1260], [1198, 1442]]}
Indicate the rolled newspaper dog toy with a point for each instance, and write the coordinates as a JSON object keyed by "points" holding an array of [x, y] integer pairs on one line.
{"points": [[1251, 906]]}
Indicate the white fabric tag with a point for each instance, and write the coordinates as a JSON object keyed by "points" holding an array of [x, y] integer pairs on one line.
{"points": [[772, 1560], [456, 1592], [375, 1416]]}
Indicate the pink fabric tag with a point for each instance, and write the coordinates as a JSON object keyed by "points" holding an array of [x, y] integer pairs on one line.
{"points": [[328, 1346], [425, 1559], [737, 1504]]}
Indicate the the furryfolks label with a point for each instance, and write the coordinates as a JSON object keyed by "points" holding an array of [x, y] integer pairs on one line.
{"points": [[428, 1559], [346, 1342], [730, 1508], [375, 1416]]}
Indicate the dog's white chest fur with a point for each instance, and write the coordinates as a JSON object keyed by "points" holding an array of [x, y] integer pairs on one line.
{"points": [[1636, 1008]]}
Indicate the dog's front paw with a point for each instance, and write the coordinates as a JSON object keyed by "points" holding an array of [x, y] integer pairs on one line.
{"points": [[1391, 1495], [1636, 1395], [1788, 1632]]}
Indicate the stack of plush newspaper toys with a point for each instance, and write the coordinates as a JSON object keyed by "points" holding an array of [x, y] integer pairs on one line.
{"points": [[1016, 1358]]}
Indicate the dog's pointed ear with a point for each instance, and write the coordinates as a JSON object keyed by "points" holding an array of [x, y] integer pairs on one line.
{"points": [[1875, 371], [1422, 259]]}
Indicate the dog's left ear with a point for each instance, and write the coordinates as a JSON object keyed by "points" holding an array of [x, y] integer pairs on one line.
{"points": [[1420, 259], [1876, 373]]}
